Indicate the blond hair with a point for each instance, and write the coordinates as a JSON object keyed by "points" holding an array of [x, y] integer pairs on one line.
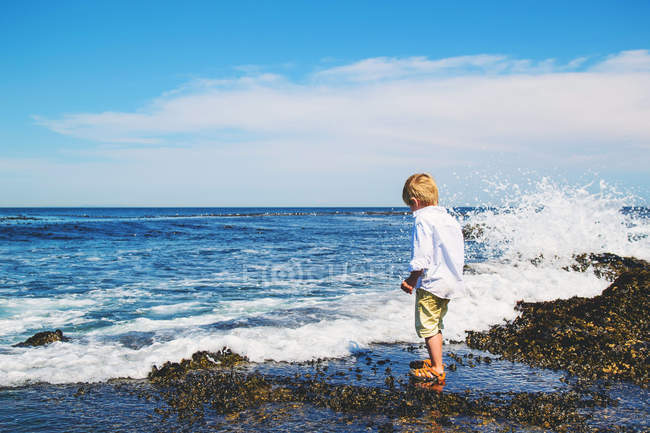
{"points": [[422, 187]]}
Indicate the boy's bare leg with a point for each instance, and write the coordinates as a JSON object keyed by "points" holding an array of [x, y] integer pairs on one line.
{"points": [[434, 346]]}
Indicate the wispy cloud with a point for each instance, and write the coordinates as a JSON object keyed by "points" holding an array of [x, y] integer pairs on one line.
{"points": [[390, 68], [381, 68]]}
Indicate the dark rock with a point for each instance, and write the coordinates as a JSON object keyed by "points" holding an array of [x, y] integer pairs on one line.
{"points": [[457, 358], [199, 361], [191, 387], [601, 337], [231, 392], [43, 338], [18, 218], [607, 265], [473, 231]]}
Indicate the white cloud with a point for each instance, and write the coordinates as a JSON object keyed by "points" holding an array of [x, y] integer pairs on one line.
{"points": [[479, 102], [626, 62]]}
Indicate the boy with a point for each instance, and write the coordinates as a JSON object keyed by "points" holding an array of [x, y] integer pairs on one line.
{"points": [[436, 267]]}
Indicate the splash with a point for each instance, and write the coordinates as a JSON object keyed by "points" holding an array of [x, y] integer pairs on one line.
{"points": [[552, 222], [523, 249]]}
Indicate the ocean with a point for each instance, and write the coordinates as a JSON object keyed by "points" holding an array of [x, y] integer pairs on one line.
{"points": [[136, 287]]}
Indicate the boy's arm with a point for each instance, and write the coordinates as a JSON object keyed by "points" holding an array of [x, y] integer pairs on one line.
{"points": [[409, 283], [420, 257]]}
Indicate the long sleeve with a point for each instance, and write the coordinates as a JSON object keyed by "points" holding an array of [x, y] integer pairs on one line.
{"points": [[422, 252]]}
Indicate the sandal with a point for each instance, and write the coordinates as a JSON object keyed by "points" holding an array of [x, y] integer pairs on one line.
{"points": [[427, 373]]}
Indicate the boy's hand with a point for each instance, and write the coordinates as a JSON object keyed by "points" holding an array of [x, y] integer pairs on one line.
{"points": [[409, 283], [407, 287]]}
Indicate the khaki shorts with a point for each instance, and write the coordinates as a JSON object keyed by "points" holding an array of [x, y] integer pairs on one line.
{"points": [[429, 311]]}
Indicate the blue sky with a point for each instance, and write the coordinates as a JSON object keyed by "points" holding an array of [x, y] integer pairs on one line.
{"points": [[317, 103]]}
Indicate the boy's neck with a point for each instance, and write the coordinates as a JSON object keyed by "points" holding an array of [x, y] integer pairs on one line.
{"points": [[417, 206]]}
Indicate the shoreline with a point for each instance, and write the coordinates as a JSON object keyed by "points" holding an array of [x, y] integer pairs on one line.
{"points": [[369, 391]]}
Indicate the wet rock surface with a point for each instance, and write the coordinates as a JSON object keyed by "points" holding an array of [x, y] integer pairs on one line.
{"points": [[601, 337], [43, 338], [607, 265], [200, 361], [237, 391]]}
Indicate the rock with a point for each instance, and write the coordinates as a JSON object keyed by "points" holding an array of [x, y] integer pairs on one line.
{"points": [[230, 392], [606, 265], [601, 337], [473, 231], [43, 338], [200, 361]]}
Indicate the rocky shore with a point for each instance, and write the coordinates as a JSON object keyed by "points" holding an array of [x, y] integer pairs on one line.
{"points": [[212, 382], [606, 336]]}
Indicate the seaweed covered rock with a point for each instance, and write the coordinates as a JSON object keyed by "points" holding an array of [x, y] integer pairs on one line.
{"points": [[231, 392], [200, 361], [607, 265], [43, 338], [603, 336], [223, 391]]}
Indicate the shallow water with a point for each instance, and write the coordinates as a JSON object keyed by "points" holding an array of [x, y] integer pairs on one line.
{"points": [[121, 405]]}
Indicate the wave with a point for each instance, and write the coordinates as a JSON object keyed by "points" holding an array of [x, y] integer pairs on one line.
{"points": [[348, 324], [554, 222]]}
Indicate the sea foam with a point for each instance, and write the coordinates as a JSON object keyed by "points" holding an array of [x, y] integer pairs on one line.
{"points": [[553, 222]]}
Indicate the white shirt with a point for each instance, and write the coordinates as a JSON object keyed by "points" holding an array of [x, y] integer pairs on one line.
{"points": [[438, 249]]}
